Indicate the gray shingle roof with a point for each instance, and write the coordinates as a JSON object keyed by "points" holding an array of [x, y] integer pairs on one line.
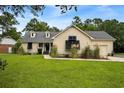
{"points": [[40, 37], [100, 35]]}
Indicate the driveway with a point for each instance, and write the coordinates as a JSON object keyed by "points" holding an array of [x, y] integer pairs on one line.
{"points": [[117, 55], [116, 58]]}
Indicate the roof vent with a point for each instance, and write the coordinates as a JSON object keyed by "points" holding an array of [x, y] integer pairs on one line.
{"points": [[47, 34]]}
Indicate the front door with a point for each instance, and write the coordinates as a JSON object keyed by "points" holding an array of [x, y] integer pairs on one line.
{"points": [[46, 48]]}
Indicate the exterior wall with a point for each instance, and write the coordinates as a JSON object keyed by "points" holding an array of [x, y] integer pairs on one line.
{"points": [[8, 41], [34, 47], [105, 46], [59, 41], [4, 48], [108, 47]]}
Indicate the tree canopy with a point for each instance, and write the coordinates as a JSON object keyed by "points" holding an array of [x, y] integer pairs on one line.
{"points": [[35, 25], [7, 22], [19, 10]]}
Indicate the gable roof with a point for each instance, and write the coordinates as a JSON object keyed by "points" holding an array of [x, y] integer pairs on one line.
{"points": [[74, 27], [40, 37], [94, 35], [7, 40]]}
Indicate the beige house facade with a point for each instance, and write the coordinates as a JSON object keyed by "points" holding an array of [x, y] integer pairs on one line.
{"points": [[41, 42]]}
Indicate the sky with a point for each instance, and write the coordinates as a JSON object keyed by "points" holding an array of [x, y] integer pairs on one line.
{"points": [[52, 15]]}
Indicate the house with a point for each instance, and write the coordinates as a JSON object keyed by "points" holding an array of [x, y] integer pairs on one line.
{"points": [[6, 44], [41, 42]]}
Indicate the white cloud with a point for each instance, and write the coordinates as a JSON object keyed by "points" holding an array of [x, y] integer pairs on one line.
{"points": [[107, 11]]}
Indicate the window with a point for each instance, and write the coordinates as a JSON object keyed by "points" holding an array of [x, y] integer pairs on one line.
{"points": [[29, 46], [72, 44], [40, 44], [72, 38], [33, 34], [47, 34]]}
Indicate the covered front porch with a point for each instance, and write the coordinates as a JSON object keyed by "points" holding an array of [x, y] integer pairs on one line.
{"points": [[44, 48]]}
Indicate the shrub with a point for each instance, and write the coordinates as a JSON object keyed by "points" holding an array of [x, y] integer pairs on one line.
{"points": [[16, 46], [54, 51], [96, 52], [21, 51], [88, 53], [82, 53], [66, 55], [73, 53]]}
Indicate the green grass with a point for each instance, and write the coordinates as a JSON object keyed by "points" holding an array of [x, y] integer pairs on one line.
{"points": [[34, 71]]}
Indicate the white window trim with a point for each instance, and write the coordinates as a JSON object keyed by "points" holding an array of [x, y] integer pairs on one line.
{"points": [[47, 35]]}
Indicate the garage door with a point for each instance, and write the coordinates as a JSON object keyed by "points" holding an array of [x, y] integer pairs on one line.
{"points": [[103, 51]]}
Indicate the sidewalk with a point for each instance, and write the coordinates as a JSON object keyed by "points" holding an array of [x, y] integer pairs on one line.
{"points": [[114, 59], [49, 57]]}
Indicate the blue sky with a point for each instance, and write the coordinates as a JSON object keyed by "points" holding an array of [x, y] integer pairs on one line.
{"points": [[53, 16]]}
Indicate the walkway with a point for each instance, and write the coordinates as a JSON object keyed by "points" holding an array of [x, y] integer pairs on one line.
{"points": [[114, 59]]}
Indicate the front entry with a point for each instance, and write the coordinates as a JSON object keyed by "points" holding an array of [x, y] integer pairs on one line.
{"points": [[40, 51], [47, 48]]}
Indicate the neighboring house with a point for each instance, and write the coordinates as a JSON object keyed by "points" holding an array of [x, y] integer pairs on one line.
{"points": [[34, 42], [6, 45]]}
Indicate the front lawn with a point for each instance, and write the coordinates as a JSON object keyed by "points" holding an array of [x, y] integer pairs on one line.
{"points": [[34, 71]]}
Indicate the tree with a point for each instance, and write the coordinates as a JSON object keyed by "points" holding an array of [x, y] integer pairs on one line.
{"points": [[16, 46], [97, 22], [89, 25], [54, 29], [88, 21], [12, 33], [77, 21], [7, 21], [35, 25], [19, 10], [65, 8]]}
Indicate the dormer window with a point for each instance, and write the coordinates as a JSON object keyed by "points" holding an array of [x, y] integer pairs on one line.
{"points": [[47, 34], [32, 34]]}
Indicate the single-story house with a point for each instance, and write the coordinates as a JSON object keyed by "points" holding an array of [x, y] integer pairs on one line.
{"points": [[6, 44], [42, 41]]}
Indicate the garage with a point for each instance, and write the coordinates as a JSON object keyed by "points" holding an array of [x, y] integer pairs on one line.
{"points": [[103, 51]]}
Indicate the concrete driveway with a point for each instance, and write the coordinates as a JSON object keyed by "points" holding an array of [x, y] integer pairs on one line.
{"points": [[116, 58], [117, 55]]}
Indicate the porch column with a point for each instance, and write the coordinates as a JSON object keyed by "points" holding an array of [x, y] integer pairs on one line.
{"points": [[43, 48], [49, 47]]}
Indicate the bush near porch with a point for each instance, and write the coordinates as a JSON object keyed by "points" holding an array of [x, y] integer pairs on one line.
{"points": [[86, 53], [31, 71]]}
